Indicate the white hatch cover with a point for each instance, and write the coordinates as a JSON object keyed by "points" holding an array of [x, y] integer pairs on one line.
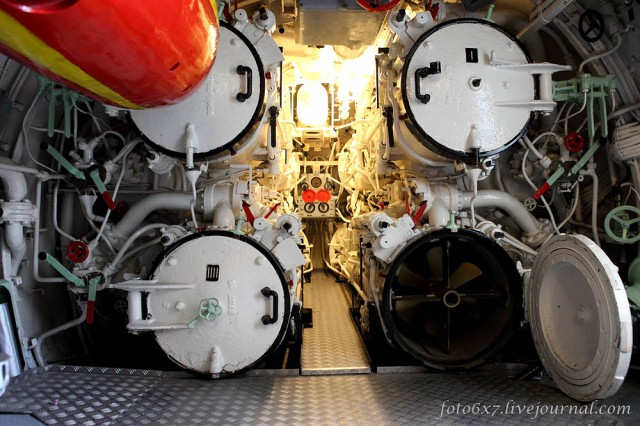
{"points": [[222, 110], [457, 96], [238, 311], [580, 318]]}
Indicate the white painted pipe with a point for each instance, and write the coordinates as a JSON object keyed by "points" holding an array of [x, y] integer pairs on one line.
{"points": [[510, 204], [37, 353], [14, 237], [136, 214], [15, 189], [15, 185], [546, 15]]}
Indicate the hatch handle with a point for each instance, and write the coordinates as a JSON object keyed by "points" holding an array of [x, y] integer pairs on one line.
{"points": [[242, 69], [433, 68], [266, 319]]}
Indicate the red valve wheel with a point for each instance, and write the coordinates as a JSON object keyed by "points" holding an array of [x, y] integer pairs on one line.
{"points": [[309, 196], [78, 252], [574, 142]]}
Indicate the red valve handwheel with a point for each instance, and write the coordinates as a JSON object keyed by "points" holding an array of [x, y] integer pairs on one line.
{"points": [[78, 252], [574, 142]]}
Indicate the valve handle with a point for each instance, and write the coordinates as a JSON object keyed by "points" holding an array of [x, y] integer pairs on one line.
{"points": [[574, 142], [78, 174], [102, 189], [623, 233], [78, 251], [208, 309]]}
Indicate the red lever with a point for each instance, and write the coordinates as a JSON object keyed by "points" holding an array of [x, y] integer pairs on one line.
{"points": [[108, 201], [271, 210], [420, 212], [247, 210]]}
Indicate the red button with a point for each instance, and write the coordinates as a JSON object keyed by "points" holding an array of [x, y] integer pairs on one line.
{"points": [[323, 196], [309, 196]]}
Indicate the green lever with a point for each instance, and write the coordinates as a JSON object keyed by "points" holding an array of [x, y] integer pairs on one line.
{"points": [[63, 161], [452, 221], [77, 281], [238, 229], [68, 97], [209, 310], [91, 298], [585, 158]]}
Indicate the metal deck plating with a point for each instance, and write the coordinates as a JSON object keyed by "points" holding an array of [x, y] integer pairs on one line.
{"points": [[63, 395], [332, 345]]}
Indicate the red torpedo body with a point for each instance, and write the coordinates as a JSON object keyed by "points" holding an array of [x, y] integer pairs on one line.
{"points": [[130, 54]]}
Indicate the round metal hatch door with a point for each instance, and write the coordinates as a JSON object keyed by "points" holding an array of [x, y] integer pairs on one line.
{"points": [[224, 110], [237, 312], [456, 99], [580, 317]]}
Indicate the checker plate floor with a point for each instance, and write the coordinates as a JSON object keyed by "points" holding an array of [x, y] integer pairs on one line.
{"points": [[332, 345], [64, 395]]}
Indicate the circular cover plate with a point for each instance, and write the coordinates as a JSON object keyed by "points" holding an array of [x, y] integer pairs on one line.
{"points": [[580, 318], [220, 120], [232, 269], [465, 94]]}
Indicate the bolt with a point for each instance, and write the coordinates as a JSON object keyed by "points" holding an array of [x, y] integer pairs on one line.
{"points": [[180, 306], [259, 260], [172, 261]]}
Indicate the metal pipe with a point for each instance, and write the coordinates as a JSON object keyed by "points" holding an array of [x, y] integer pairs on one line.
{"points": [[15, 185], [136, 214], [36, 241], [14, 237], [545, 16], [510, 204], [38, 340], [111, 268]]}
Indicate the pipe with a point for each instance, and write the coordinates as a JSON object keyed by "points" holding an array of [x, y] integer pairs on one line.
{"points": [[38, 340], [111, 268], [594, 203], [510, 204], [136, 214], [36, 241], [545, 16], [16, 244], [15, 185], [15, 189]]}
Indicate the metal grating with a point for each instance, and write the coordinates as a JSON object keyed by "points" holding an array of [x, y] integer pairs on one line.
{"points": [[332, 345]]}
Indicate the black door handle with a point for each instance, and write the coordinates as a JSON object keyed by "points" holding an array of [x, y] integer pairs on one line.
{"points": [[433, 68], [266, 319], [241, 97]]}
